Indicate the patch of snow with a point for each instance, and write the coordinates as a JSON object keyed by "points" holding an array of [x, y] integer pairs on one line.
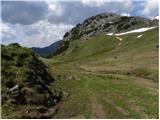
{"points": [[110, 22], [136, 31], [133, 31], [109, 33], [157, 17], [139, 36], [120, 39]]}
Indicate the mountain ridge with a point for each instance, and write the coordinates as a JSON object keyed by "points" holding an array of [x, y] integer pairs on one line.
{"points": [[101, 23], [108, 23]]}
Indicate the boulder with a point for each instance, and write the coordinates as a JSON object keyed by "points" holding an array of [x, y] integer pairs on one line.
{"points": [[16, 97], [15, 90]]}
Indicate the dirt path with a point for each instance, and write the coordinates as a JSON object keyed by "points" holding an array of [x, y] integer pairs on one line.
{"points": [[118, 108], [97, 110]]}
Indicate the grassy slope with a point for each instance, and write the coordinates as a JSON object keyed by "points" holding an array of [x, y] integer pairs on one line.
{"points": [[108, 80], [20, 66]]}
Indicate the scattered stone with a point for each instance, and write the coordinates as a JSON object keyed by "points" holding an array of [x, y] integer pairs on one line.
{"points": [[15, 90], [16, 87], [65, 94], [73, 77]]}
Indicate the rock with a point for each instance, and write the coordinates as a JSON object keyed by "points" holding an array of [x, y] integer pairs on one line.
{"points": [[65, 94], [72, 77], [15, 90], [55, 101], [16, 97]]}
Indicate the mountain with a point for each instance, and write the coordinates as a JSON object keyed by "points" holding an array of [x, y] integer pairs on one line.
{"points": [[47, 51], [101, 23], [25, 81], [108, 23]]}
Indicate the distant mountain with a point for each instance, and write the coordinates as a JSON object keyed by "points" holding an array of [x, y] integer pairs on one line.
{"points": [[47, 51]]}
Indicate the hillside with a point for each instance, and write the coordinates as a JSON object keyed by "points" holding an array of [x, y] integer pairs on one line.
{"points": [[109, 76], [25, 81]]}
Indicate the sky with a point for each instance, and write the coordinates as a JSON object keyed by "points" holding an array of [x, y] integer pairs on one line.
{"points": [[41, 23]]}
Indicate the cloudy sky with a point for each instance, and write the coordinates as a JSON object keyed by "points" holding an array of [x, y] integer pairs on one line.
{"points": [[41, 23]]}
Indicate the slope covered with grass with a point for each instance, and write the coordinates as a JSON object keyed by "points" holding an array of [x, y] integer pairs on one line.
{"points": [[103, 52], [109, 77], [25, 83]]}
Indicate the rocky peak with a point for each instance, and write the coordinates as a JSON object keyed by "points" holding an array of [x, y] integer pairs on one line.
{"points": [[107, 23]]}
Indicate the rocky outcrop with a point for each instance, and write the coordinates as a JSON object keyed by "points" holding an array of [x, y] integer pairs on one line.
{"points": [[16, 97]]}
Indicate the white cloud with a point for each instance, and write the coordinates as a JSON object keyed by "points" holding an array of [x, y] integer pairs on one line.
{"points": [[93, 3], [150, 8], [39, 34], [55, 7], [98, 3], [5, 28]]}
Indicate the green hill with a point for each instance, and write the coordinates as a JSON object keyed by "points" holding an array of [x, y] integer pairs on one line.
{"points": [[109, 78], [25, 81]]}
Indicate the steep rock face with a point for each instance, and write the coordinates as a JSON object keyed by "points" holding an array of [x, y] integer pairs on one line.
{"points": [[25, 80], [107, 23]]}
